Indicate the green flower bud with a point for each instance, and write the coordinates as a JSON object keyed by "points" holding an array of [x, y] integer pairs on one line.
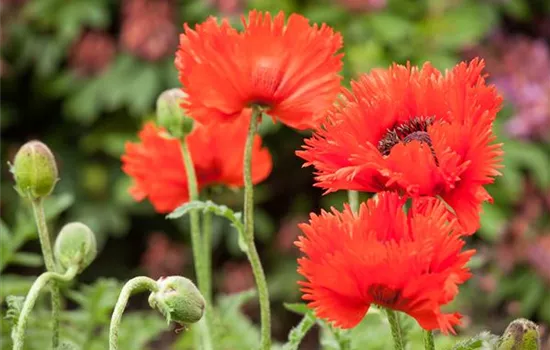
{"points": [[34, 170], [170, 115], [520, 334], [178, 299], [75, 245]]}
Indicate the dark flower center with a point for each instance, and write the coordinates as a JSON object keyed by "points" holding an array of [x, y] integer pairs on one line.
{"points": [[383, 295], [414, 129]]}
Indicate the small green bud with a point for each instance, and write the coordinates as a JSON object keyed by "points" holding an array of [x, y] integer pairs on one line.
{"points": [[34, 170], [520, 334], [75, 245], [178, 299], [170, 115]]}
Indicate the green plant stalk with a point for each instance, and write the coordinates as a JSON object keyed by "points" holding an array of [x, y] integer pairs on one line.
{"points": [[135, 285], [198, 246], [30, 300], [353, 199], [207, 253], [252, 253], [44, 236], [396, 331], [429, 343], [342, 337], [299, 332]]}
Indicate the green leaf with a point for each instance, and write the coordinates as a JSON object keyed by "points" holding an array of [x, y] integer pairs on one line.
{"points": [[27, 259], [299, 308], [219, 210], [390, 28], [493, 220], [15, 285], [15, 304], [529, 157], [484, 340]]}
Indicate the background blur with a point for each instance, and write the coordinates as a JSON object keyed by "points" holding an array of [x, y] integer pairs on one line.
{"points": [[83, 76]]}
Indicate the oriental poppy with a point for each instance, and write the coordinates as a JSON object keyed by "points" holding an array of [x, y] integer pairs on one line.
{"points": [[406, 262], [156, 164], [415, 131], [290, 70]]}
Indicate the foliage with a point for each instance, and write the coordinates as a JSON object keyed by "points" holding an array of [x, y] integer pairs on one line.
{"points": [[87, 326], [87, 119]]}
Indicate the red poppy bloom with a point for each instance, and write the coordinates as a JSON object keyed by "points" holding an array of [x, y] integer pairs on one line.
{"points": [[290, 69], [406, 262], [156, 164], [415, 131]]}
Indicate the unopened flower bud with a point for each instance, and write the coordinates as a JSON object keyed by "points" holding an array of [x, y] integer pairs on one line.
{"points": [[178, 299], [520, 334], [75, 246], [34, 170], [170, 115]]}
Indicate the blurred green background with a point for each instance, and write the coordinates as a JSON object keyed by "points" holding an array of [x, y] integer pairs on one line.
{"points": [[83, 76]]}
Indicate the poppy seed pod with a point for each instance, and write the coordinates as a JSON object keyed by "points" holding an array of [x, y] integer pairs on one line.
{"points": [[170, 115], [34, 170], [520, 334], [75, 245], [178, 299]]}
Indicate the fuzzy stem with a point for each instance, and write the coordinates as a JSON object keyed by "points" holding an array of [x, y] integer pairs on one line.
{"points": [[299, 332], [396, 331], [252, 253], [30, 300], [207, 253], [199, 258], [353, 199], [44, 236], [429, 343], [135, 285]]}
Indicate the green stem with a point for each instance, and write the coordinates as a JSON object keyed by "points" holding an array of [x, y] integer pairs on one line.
{"points": [[135, 285], [30, 300], [44, 236], [342, 337], [252, 253], [299, 332], [207, 253], [199, 258], [353, 199], [396, 331], [429, 343]]}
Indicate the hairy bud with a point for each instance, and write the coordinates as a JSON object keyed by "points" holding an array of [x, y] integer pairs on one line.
{"points": [[170, 115], [75, 245], [520, 334], [34, 170], [178, 299]]}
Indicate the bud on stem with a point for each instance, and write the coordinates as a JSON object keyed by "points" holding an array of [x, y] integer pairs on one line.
{"points": [[178, 299], [34, 170], [520, 334], [171, 116], [75, 246]]}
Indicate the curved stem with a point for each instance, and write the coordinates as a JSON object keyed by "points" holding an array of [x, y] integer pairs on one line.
{"points": [[30, 300], [252, 253], [353, 199], [197, 243], [44, 236], [429, 343], [396, 331], [135, 285]]}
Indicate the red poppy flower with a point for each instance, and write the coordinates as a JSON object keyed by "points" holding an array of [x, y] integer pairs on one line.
{"points": [[290, 69], [406, 262], [415, 131], [157, 168]]}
